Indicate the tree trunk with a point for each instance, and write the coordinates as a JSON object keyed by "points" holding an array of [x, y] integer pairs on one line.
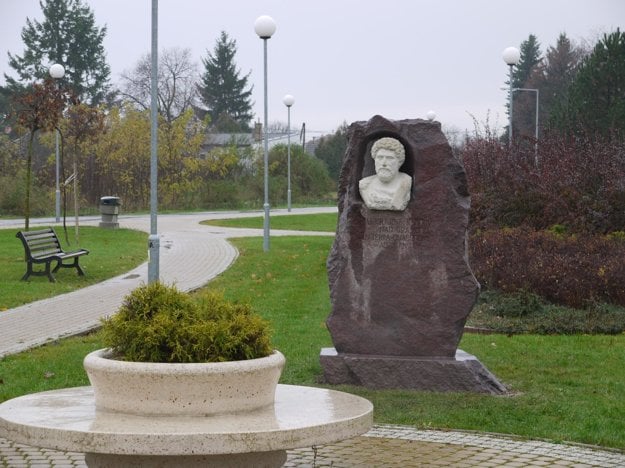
{"points": [[29, 160], [76, 200]]}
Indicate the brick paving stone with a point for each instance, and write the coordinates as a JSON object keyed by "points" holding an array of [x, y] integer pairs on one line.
{"points": [[402, 450]]}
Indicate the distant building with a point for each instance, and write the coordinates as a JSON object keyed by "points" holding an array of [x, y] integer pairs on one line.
{"points": [[220, 140], [253, 139]]}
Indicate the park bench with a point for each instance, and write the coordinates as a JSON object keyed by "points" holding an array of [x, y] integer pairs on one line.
{"points": [[43, 246]]}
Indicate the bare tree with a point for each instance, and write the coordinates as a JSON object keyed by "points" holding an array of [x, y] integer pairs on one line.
{"points": [[177, 75]]}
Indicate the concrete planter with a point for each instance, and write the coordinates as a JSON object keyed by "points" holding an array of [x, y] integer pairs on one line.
{"points": [[195, 389]]}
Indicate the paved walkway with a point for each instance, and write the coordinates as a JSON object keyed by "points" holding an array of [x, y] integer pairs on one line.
{"points": [[191, 255], [386, 446]]}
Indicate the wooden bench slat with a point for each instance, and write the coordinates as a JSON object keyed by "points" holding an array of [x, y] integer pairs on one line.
{"points": [[41, 236], [38, 232], [45, 248], [44, 254], [42, 240]]}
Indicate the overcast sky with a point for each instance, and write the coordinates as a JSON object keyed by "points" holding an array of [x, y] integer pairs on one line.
{"points": [[347, 60]]}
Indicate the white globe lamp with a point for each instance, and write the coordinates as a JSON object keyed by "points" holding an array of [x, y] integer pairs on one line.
{"points": [[264, 26]]}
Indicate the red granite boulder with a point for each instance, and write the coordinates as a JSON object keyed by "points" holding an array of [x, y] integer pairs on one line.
{"points": [[400, 281]]}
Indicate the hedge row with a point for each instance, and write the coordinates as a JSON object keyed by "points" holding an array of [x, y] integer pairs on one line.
{"points": [[572, 270]]}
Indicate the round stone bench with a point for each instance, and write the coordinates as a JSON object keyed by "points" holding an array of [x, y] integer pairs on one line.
{"points": [[67, 420]]}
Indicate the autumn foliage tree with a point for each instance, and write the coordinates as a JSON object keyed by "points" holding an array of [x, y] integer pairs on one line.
{"points": [[120, 161], [120, 164], [179, 165], [82, 125], [39, 108]]}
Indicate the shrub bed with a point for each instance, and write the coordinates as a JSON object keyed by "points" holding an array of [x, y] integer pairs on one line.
{"points": [[575, 181], [571, 270]]}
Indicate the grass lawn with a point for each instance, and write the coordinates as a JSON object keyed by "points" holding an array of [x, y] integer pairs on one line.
{"points": [[111, 253], [305, 222], [563, 388]]}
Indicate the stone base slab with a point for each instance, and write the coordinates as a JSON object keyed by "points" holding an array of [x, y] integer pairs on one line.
{"points": [[464, 373], [109, 225]]}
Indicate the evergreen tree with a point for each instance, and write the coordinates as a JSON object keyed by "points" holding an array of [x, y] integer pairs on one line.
{"points": [[595, 102], [530, 57], [552, 77], [222, 89], [69, 36], [5, 108], [555, 74], [524, 102]]}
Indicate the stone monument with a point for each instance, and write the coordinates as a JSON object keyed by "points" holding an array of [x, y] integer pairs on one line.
{"points": [[400, 284]]}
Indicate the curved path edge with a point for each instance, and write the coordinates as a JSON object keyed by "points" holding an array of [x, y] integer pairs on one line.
{"points": [[190, 255]]}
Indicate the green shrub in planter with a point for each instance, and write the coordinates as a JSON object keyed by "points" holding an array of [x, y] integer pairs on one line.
{"points": [[159, 323]]}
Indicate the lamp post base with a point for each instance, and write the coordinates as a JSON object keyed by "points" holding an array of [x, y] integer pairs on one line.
{"points": [[266, 228]]}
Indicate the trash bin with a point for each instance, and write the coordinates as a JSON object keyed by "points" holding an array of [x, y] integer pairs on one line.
{"points": [[109, 209]]}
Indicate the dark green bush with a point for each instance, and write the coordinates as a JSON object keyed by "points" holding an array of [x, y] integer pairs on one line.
{"points": [[499, 313], [158, 323], [519, 304]]}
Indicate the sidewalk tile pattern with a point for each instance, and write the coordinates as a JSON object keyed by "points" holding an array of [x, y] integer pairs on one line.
{"points": [[387, 446]]}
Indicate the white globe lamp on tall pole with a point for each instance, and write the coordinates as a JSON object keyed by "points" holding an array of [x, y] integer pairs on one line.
{"points": [[265, 26], [511, 56], [288, 101], [57, 72]]}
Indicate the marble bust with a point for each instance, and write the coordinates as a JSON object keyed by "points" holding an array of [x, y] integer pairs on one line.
{"points": [[388, 189]]}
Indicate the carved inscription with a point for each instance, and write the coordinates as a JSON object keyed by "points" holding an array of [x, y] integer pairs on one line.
{"points": [[385, 230]]}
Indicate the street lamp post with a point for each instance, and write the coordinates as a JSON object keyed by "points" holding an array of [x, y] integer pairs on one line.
{"points": [[153, 239], [57, 72], [265, 26], [288, 102], [511, 56]]}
